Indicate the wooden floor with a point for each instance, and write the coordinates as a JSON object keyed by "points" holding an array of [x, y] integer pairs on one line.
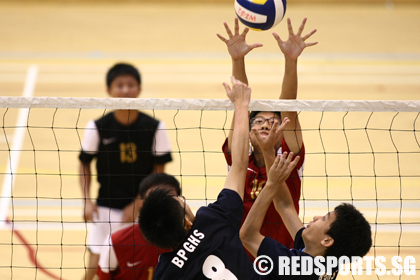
{"points": [[365, 52]]}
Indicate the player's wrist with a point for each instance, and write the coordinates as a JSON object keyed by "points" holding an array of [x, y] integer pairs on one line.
{"points": [[289, 59], [88, 201], [238, 60], [270, 185], [241, 107]]}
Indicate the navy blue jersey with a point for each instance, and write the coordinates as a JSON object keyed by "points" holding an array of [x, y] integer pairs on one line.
{"points": [[273, 249], [212, 249], [125, 156]]}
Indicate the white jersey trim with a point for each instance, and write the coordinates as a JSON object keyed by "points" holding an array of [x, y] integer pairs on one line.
{"points": [[90, 142], [91, 139], [162, 145], [108, 259]]}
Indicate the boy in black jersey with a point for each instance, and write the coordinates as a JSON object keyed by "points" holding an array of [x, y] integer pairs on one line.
{"points": [[342, 232], [205, 246], [128, 146]]}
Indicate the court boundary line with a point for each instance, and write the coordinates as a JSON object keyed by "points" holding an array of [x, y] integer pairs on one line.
{"points": [[17, 142], [31, 253]]}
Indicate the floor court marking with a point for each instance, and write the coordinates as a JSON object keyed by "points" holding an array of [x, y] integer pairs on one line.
{"points": [[17, 143]]}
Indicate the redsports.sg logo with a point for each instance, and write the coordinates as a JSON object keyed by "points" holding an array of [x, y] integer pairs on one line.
{"points": [[306, 265]]}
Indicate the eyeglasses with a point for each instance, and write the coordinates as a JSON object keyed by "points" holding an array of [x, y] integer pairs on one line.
{"points": [[260, 121]]}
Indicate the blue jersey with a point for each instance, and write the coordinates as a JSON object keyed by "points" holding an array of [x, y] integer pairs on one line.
{"points": [[212, 249], [273, 249]]}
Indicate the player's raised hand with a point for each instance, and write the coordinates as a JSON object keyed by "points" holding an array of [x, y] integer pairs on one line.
{"points": [[274, 134], [295, 44], [281, 168], [240, 94], [236, 43]]}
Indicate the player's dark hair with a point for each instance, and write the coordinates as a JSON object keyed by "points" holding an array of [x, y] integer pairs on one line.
{"points": [[161, 219], [254, 113], [122, 69], [158, 179], [351, 233]]}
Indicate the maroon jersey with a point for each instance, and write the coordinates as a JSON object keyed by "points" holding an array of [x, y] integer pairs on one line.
{"points": [[130, 256], [256, 179]]}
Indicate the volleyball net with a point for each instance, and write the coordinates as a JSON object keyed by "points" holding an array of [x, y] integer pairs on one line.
{"points": [[366, 153]]}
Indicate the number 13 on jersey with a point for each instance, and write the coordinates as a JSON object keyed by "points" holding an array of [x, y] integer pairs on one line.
{"points": [[128, 152]]}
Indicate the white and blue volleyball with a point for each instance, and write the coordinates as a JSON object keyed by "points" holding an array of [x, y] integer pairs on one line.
{"points": [[260, 14]]}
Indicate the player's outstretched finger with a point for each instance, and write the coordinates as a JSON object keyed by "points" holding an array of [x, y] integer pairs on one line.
{"points": [[283, 124], [221, 37], [244, 32], [236, 26], [256, 45], [302, 26], [288, 160], [234, 80], [277, 37], [276, 162], [276, 124], [227, 88], [228, 30], [309, 35], [293, 164], [289, 26], [282, 160]]}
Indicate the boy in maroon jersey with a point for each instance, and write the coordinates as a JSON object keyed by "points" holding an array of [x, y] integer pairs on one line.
{"points": [[261, 123], [126, 254]]}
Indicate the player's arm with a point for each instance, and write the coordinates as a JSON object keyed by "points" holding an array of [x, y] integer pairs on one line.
{"points": [[281, 200], [237, 48], [292, 49], [90, 147], [240, 95], [85, 181], [279, 172]]}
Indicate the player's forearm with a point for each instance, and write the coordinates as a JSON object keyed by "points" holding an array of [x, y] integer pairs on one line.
{"points": [[240, 145], [290, 80], [255, 217], [269, 154], [230, 135], [283, 199], [250, 231], [85, 179], [293, 134], [284, 205], [236, 176], [238, 69]]}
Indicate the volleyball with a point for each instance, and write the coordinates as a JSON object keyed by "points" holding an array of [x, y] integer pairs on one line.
{"points": [[260, 14]]}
